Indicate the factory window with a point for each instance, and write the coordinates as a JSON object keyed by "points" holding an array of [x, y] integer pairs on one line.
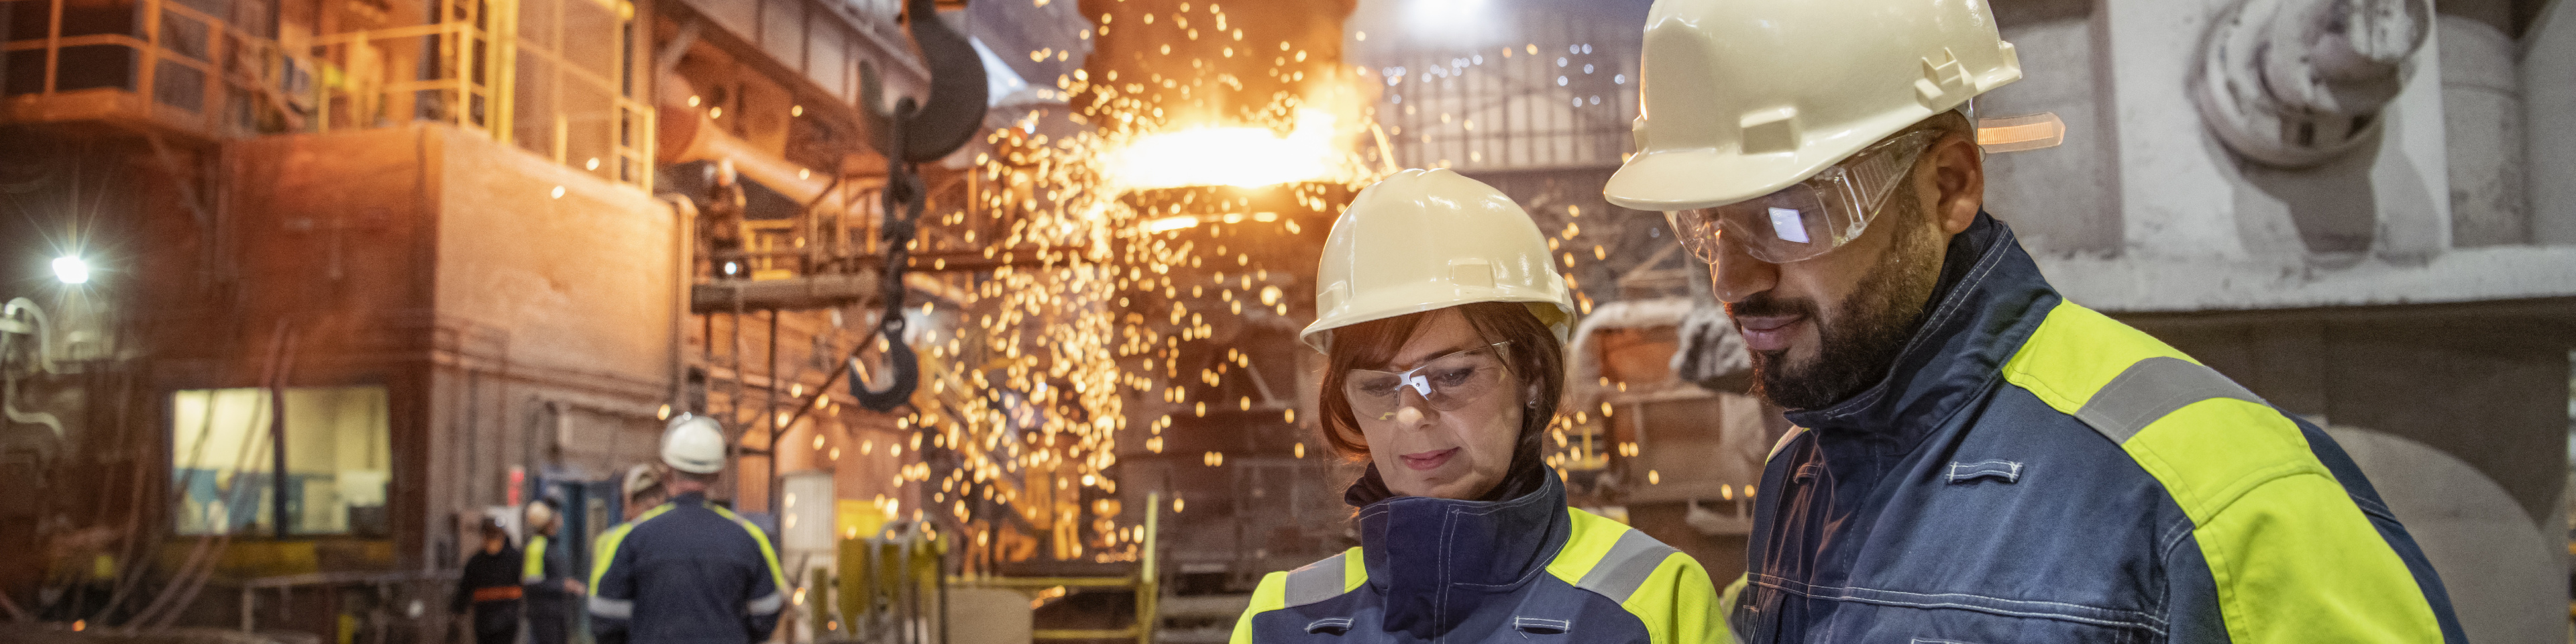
{"points": [[337, 461]]}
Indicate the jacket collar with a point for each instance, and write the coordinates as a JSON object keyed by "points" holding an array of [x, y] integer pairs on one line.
{"points": [[1990, 298], [1437, 560]]}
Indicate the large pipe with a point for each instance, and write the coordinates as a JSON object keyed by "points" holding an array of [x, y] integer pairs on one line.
{"points": [[685, 134]]}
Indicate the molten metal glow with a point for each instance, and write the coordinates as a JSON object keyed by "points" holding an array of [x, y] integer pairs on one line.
{"points": [[1242, 156]]}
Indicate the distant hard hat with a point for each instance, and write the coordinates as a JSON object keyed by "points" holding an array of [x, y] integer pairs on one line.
{"points": [[640, 478], [694, 444], [1431, 239], [1741, 98], [540, 512]]}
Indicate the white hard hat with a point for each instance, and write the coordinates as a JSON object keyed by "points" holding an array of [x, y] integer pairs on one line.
{"points": [[1741, 98], [540, 512], [694, 444], [1430, 239], [638, 478]]}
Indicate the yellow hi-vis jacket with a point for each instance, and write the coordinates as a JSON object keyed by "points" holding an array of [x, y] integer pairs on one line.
{"points": [[2033, 471]]}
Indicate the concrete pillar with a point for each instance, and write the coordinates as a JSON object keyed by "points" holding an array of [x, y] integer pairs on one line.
{"points": [[2060, 200], [2177, 196], [2549, 112], [2482, 114]]}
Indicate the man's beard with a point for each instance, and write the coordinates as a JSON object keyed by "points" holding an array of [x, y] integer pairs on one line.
{"points": [[1859, 344]]}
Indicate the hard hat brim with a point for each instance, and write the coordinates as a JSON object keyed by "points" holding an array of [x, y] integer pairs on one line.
{"points": [[1424, 298], [1669, 180]]}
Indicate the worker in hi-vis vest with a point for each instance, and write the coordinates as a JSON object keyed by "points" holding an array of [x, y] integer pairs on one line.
{"points": [[546, 574], [1978, 458], [1443, 325], [688, 570]]}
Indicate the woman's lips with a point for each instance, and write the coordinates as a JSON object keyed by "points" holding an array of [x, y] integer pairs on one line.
{"points": [[1421, 461], [1768, 332]]}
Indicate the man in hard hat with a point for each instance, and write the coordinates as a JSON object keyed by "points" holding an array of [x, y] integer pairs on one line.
{"points": [[643, 487], [687, 570], [546, 574], [490, 587], [1982, 460]]}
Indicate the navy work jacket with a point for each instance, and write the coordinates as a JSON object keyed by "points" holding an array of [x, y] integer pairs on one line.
{"points": [[2033, 471], [687, 571], [1519, 570]]}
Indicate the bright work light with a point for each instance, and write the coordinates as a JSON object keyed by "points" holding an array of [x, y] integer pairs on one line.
{"points": [[71, 270]]}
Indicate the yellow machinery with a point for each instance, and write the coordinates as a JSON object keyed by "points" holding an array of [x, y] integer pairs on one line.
{"points": [[893, 588]]}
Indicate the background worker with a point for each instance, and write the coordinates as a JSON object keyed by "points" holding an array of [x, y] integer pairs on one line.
{"points": [[644, 494], [490, 586], [547, 575], [1981, 460], [687, 570], [643, 488], [1443, 330]]}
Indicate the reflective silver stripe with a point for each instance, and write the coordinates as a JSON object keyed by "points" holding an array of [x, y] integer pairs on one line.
{"points": [[1317, 581], [1629, 562], [767, 604], [612, 608], [2152, 388]]}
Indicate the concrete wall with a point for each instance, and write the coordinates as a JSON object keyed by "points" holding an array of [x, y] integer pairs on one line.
{"points": [[2143, 209], [512, 326], [556, 300], [2062, 199], [327, 239], [2548, 56]]}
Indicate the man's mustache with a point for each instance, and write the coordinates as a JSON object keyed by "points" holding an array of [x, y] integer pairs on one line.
{"points": [[1765, 304]]}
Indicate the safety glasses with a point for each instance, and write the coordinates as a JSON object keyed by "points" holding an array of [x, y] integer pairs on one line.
{"points": [[1446, 382], [1810, 218]]}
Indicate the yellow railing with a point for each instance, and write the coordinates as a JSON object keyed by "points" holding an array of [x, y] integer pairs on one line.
{"points": [[458, 73], [459, 79], [173, 67], [161, 65]]}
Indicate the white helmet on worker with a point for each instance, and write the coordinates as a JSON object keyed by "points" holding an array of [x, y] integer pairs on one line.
{"points": [[639, 478], [540, 512], [1744, 98], [694, 444], [1430, 239]]}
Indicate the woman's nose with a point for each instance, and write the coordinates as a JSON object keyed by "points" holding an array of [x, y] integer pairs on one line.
{"points": [[1412, 407]]}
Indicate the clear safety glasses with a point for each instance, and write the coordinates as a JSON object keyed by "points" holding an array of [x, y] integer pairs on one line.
{"points": [[1446, 382], [1811, 217]]}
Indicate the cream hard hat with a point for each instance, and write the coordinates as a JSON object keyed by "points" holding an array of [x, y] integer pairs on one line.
{"points": [[1741, 98], [694, 444], [639, 478], [540, 512], [1421, 240]]}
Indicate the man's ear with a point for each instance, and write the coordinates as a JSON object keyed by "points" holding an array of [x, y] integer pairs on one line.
{"points": [[1958, 180]]}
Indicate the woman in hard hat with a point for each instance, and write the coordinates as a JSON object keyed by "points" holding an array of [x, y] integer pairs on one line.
{"points": [[1444, 321]]}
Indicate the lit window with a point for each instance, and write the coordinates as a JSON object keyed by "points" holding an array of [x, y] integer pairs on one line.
{"points": [[338, 461]]}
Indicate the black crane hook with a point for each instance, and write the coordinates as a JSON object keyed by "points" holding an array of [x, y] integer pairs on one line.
{"points": [[912, 134]]}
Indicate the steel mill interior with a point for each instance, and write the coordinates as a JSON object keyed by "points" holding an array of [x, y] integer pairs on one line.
{"points": [[999, 304]]}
